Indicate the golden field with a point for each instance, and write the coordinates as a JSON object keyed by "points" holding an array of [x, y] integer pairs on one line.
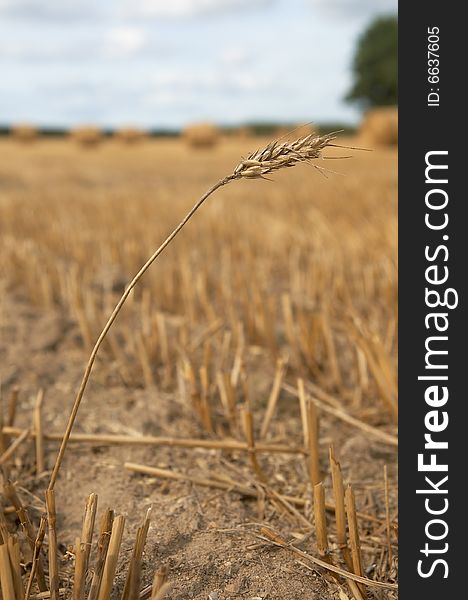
{"points": [[274, 289]]}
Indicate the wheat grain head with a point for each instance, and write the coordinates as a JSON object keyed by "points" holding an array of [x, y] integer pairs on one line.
{"points": [[276, 155]]}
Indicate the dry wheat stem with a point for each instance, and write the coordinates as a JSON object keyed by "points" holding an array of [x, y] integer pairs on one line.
{"points": [[41, 595], [5, 457], [108, 325], [272, 537], [102, 439], [273, 157], [228, 484]]}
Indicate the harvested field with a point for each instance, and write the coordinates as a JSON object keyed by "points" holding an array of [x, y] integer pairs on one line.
{"points": [[264, 334]]}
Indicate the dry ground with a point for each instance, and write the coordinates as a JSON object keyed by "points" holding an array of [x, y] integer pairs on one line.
{"points": [[301, 269]]}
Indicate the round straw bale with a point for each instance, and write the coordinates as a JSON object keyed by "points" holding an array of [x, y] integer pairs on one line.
{"points": [[87, 135], [130, 135], [24, 132], [380, 126], [201, 135], [243, 132]]}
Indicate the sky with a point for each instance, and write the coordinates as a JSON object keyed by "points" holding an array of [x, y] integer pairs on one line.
{"points": [[167, 63]]}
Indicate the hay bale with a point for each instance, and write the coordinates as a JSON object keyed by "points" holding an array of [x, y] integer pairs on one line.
{"points": [[243, 132], [380, 126], [24, 132], [87, 136], [130, 135], [202, 135]]}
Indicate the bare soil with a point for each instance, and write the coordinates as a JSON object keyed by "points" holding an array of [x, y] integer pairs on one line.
{"points": [[206, 537]]}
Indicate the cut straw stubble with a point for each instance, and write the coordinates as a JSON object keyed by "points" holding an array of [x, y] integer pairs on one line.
{"points": [[12, 406], [162, 592], [10, 417], [160, 578], [388, 528], [105, 529], [273, 398], [313, 445], [226, 394], [88, 524], [159, 586], [320, 519], [10, 493], [38, 433], [205, 408], [3, 439], [249, 434], [302, 406], [112, 557], [53, 548], [353, 532], [78, 583], [83, 547], [15, 561], [132, 584], [338, 494], [6, 576]]}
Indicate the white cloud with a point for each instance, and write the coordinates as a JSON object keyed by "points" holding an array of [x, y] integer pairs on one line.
{"points": [[235, 56], [354, 9], [124, 42], [68, 10], [171, 83], [183, 8], [66, 61], [30, 50], [52, 9]]}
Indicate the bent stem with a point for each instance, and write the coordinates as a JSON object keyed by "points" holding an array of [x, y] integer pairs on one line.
{"points": [[113, 316], [273, 157]]}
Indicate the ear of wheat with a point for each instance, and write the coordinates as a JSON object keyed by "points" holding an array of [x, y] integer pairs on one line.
{"points": [[278, 155]]}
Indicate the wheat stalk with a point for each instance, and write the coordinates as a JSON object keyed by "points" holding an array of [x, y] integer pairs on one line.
{"points": [[274, 156]]}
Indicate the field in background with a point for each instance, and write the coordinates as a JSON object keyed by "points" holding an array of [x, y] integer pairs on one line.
{"points": [[271, 281]]}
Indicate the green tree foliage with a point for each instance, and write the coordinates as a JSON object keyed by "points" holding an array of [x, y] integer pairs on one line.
{"points": [[375, 65]]}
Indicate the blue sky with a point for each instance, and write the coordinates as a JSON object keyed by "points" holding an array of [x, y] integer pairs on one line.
{"points": [[165, 63]]}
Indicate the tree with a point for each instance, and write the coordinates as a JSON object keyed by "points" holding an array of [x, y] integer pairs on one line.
{"points": [[375, 65]]}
